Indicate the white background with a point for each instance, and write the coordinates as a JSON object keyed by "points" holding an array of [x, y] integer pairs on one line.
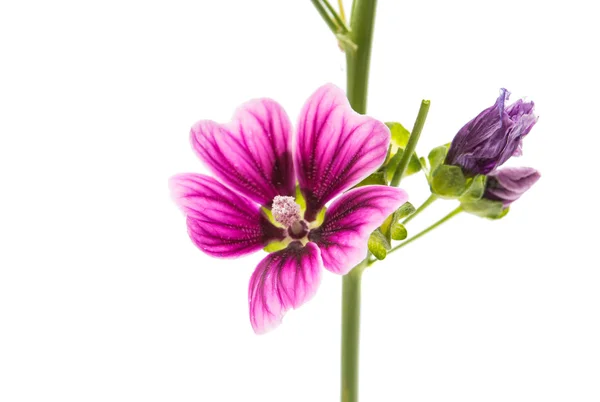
{"points": [[104, 298]]}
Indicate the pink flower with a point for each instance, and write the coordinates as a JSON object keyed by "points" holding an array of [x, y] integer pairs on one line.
{"points": [[251, 157]]}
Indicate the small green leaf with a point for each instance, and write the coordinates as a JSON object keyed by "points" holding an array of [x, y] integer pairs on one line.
{"points": [[375, 178], [475, 190], [398, 231], [437, 156], [406, 209], [378, 244], [448, 181], [485, 208], [399, 134]]}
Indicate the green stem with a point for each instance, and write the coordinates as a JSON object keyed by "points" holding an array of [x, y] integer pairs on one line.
{"points": [[351, 284], [429, 229], [327, 17], [362, 21], [412, 143], [343, 28], [423, 206]]}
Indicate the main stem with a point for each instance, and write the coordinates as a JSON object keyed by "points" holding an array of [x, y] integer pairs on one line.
{"points": [[362, 20], [351, 284]]}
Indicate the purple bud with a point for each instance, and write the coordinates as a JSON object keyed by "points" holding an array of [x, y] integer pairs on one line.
{"points": [[508, 184], [492, 137]]}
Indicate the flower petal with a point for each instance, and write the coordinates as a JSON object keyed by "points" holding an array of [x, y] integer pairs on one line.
{"points": [[283, 280], [336, 147], [349, 221], [221, 222], [252, 154]]}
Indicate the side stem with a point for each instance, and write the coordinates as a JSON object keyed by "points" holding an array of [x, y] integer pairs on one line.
{"points": [[429, 229], [423, 206], [412, 143]]}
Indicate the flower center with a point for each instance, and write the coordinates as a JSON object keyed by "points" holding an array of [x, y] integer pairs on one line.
{"points": [[285, 210], [298, 229]]}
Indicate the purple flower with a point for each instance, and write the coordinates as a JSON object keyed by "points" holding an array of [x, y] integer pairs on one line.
{"points": [[508, 184], [492, 137], [251, 157]]}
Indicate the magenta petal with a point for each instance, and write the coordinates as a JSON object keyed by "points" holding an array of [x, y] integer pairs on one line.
{"points": [[283, 280], [336, 147], [221, 222], [252, 154], [349, 221]]}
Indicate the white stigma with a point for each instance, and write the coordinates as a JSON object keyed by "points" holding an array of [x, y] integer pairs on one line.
{"points": [[285, 210]]}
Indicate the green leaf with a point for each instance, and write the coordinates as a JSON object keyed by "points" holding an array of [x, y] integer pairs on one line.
{"points": [[475, 190], [399, 134], [375, 178], [437, 156], [398, 231], [378, 244], [448, 181], [485, 208]]}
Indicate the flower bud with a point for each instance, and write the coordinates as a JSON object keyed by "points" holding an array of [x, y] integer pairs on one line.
{"points": [[508, 184], [492, 137]]}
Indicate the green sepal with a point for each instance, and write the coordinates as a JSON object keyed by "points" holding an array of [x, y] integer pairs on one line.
{"points": [[475, 189], [486, 208], [437, 156], [423, 163], [405, 210], [378, 244], [300, 200], [448, 181], [387, 227], [398, 231], [375, 178], [319, 219], [276, 246], [269, 215], [399, 134]]}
